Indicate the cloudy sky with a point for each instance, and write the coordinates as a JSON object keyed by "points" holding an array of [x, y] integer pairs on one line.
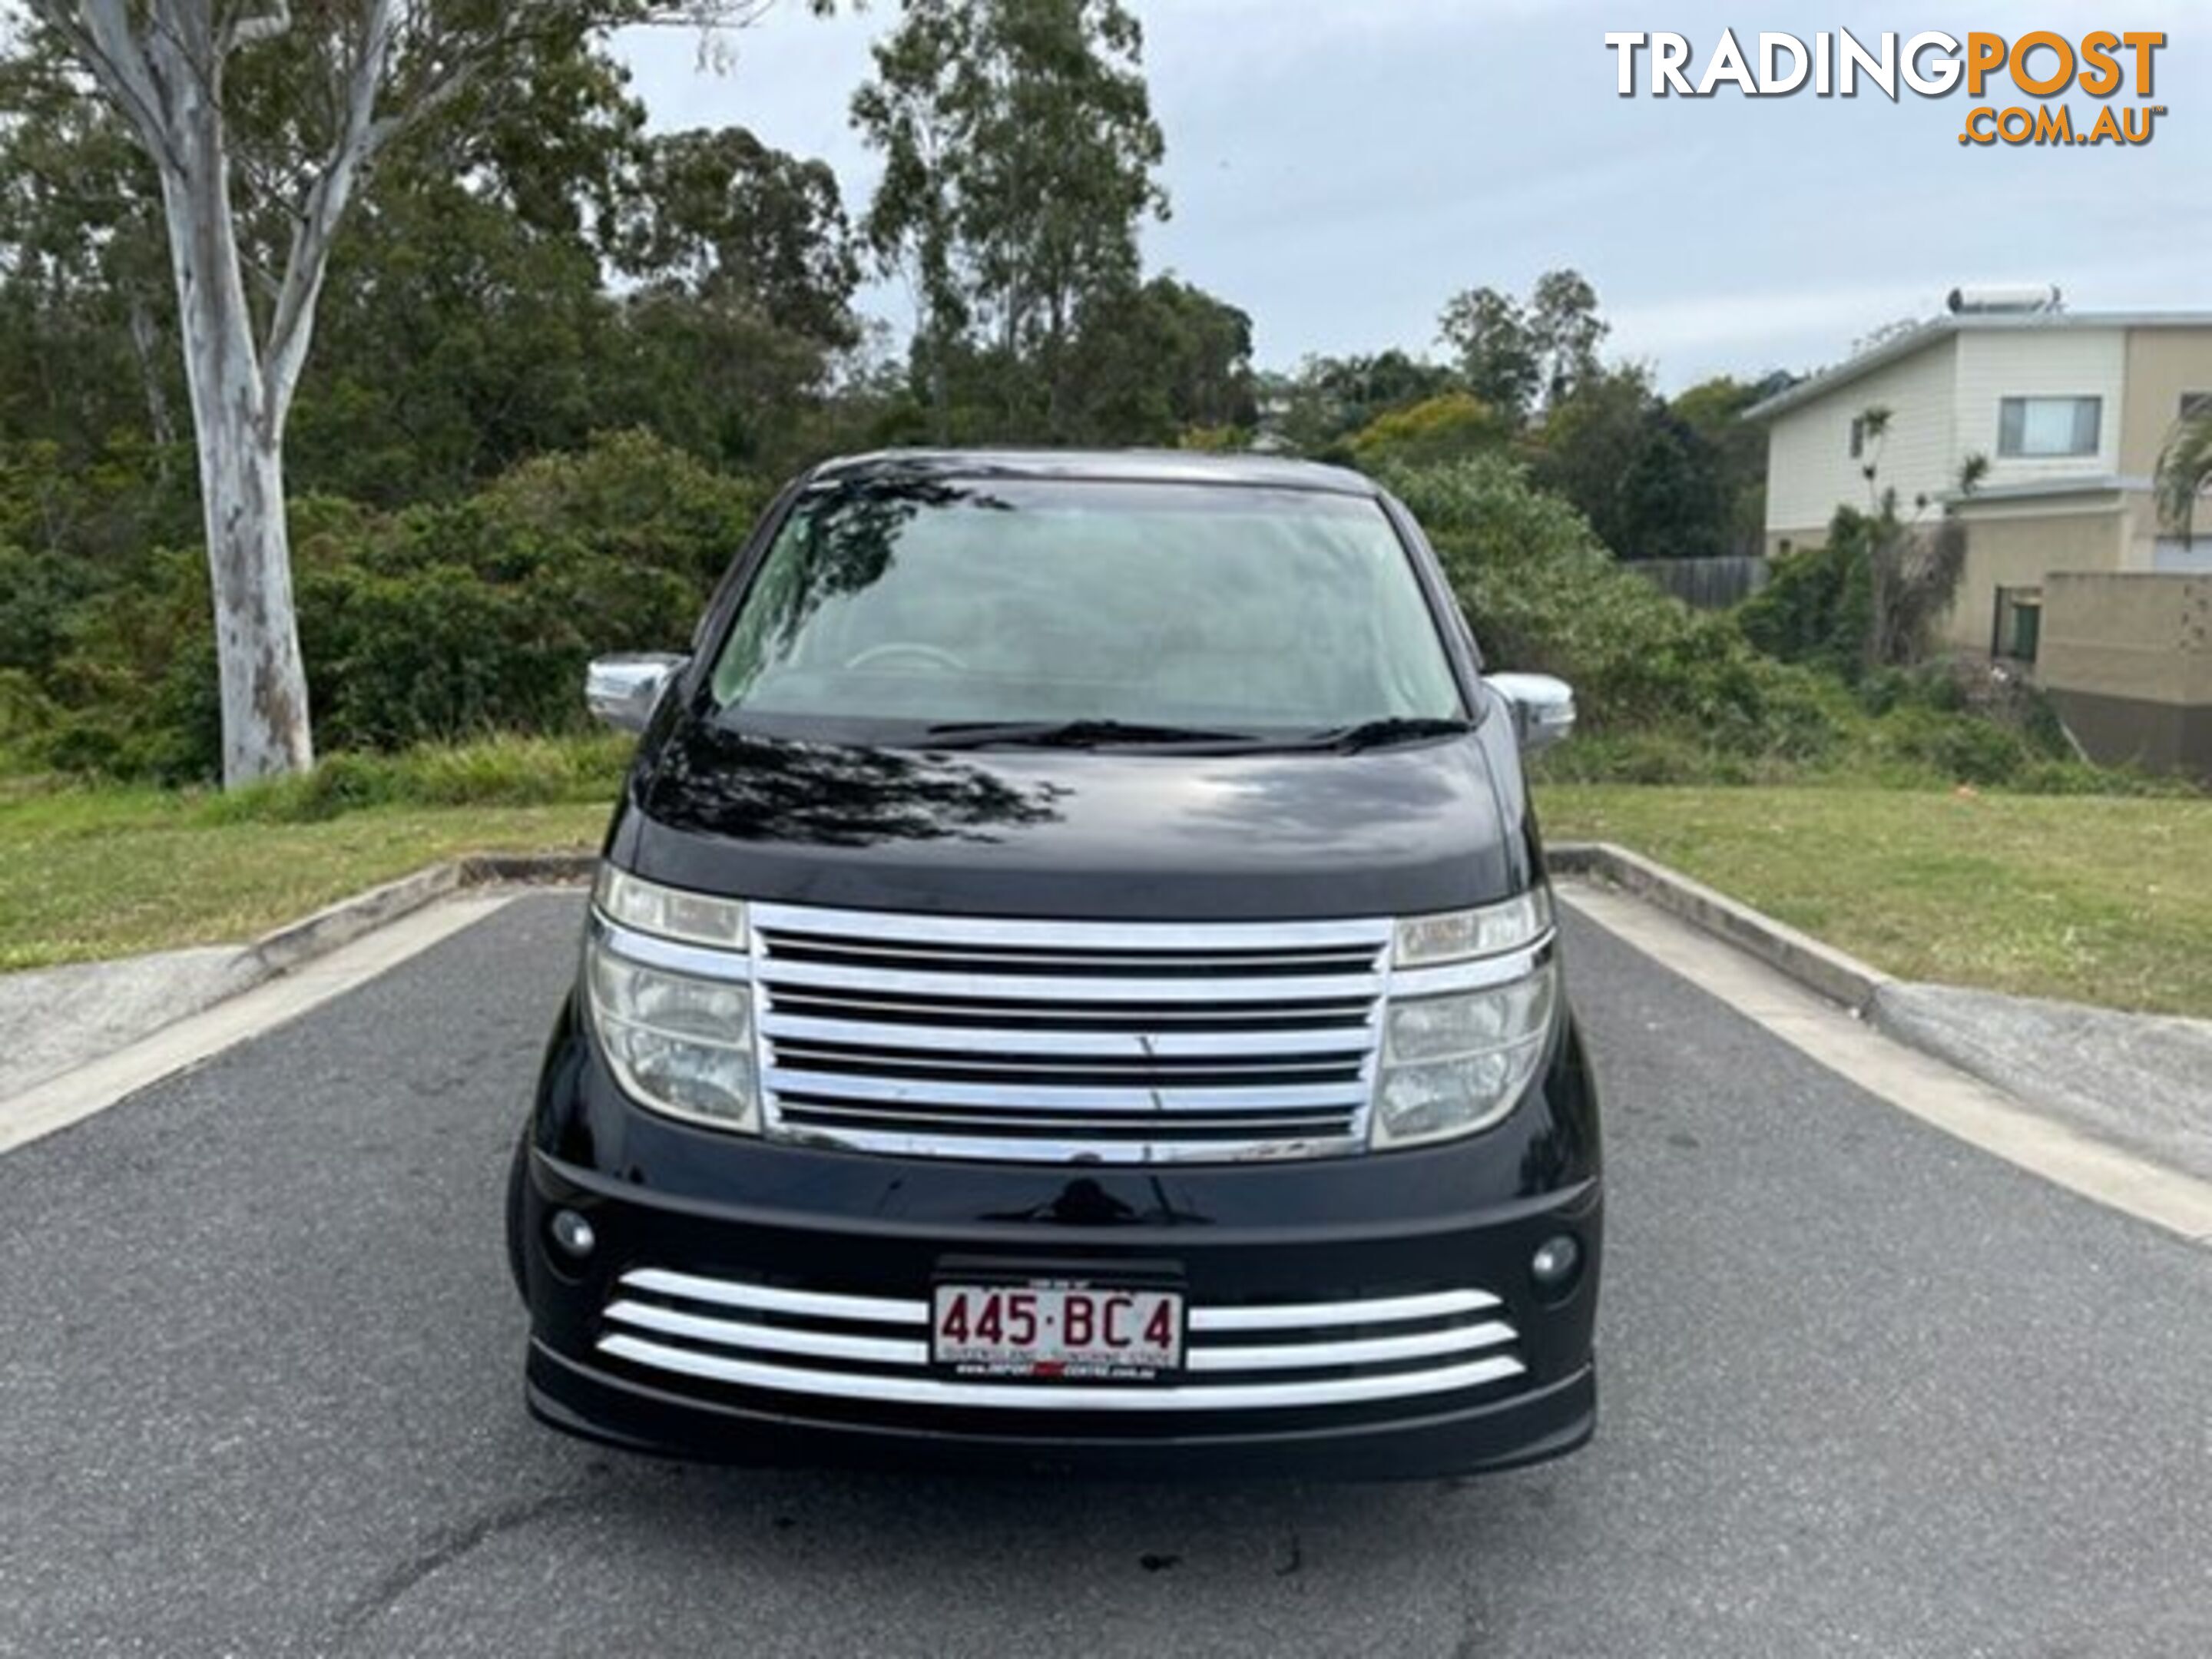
{"points": [[1338, 167]]}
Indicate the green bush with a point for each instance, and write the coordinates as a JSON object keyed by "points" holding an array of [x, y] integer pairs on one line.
{"points": [[1816, 609], [1960, 747], [1545, 595], [1433, 432], [430, 625], [500, 771]]}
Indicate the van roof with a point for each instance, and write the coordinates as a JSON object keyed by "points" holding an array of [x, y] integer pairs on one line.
{"points": [[1102, 465]]}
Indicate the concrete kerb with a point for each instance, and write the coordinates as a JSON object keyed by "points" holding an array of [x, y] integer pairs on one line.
{"points": [[317, 935], [1818, 967]]}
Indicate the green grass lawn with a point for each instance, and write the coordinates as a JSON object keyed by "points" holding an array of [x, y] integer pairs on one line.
{"points": [[2092, 898], [108, 872], [2097, 899]]}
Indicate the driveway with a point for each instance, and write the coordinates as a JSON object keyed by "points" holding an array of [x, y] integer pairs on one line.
{"points": [[1866, 1391]]}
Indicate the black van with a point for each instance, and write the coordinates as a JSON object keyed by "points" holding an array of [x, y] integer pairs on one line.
{"points": [[1071, 982]]}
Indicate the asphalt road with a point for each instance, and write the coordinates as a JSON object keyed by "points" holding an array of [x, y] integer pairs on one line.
{"points": [[1867, 1391]]}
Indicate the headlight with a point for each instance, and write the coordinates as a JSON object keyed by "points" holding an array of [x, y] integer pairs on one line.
{"points": [[670, 911], [678, 1043], [1458, 935], [1455, 1064]]}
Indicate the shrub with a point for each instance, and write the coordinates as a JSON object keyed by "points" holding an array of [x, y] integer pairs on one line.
{"points": [[1960, 747], [1430, 433], [1545, 595], [1816, 609], [500, 771], [429, 625]]}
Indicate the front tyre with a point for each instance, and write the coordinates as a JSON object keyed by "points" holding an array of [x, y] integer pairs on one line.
{"points": [[516, 1174]]}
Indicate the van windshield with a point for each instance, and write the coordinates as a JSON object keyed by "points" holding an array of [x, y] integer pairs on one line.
{"points": [[894, 608]]}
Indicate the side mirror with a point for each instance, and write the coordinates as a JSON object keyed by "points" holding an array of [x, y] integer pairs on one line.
{"points": [[622, 691], [1543, 707]]}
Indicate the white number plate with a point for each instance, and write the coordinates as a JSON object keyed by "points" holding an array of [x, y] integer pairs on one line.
{"points": [[1051, 1331]]}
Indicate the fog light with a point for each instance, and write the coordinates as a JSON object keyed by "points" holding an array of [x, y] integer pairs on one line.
{"points": [[573, 1234], [1555, 1264]]}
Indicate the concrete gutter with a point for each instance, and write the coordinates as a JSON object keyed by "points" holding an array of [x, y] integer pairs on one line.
{"points": [[1818, 967], [349, 918]]}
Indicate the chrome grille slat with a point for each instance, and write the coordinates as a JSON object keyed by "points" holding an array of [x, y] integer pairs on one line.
{"points": [[839, 1085], [1053, 1042], [904, 926], [1046, 964], [1217, 1070], [1387, 1311], [1249, 1018], [1370, 1351], [1331, 1354], [1015, 1043], [1065, 1397], [770, 1339], [1019, 988], [806, 1115]]}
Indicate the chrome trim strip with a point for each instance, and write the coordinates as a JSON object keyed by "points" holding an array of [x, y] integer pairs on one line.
{"points": [[1385, 1310], [1353, 1037], [1017, 1396], [773, 1338], [768, 1298], [940, 1143], [1041, 1095], [1371, 1351], [1478, 975], [1050, 991], [913, 927], [656, 952], [866, 1114]]}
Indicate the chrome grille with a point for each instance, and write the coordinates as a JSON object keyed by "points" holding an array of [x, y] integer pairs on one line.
{"points": [[1263, 1356], [1052, 1040]]}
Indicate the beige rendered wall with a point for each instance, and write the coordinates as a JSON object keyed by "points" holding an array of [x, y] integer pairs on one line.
{"points": [[2136, 635], [2163, 364], [2020, 549], [2127, 658]]}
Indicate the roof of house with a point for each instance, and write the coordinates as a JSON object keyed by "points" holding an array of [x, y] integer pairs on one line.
{"points": [[1943, 328]]}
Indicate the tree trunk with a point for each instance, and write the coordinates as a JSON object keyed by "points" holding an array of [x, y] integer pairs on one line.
{"points": [[266, 730], [145, 343]]}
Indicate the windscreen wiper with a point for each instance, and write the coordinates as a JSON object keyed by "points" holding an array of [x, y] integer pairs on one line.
{"points": [[1381, 733], [1074, 734]]}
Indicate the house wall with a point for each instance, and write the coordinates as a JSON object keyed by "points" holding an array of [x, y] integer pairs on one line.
{"points": [[2020, 545], [2127, 659], [2162, 364], [1994, 364], [1810, 469]]}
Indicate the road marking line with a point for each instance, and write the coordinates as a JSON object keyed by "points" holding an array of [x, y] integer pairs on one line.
{"points": [[98, 1084], [1961, 1106]]}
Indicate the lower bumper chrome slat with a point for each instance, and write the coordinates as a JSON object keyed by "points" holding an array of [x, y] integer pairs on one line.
{"points": [[1316, 1354], [1063, 1397]]}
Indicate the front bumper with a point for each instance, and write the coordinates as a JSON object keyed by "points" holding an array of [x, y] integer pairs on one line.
{"points": [[1408, 1271]]}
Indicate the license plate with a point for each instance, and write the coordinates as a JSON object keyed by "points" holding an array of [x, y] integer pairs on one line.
{"points": [[1054, 1332]]}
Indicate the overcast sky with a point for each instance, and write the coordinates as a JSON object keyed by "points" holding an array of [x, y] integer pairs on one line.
{"points": [[1339, 168]]}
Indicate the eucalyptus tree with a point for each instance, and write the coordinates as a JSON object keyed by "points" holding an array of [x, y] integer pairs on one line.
{"points": [[1019, 150], [261, 119]]}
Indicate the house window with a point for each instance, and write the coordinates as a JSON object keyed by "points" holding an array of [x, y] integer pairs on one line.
{"points": [[2196, 405], [2020, 623], [1858, 436], [2036, 427]]}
